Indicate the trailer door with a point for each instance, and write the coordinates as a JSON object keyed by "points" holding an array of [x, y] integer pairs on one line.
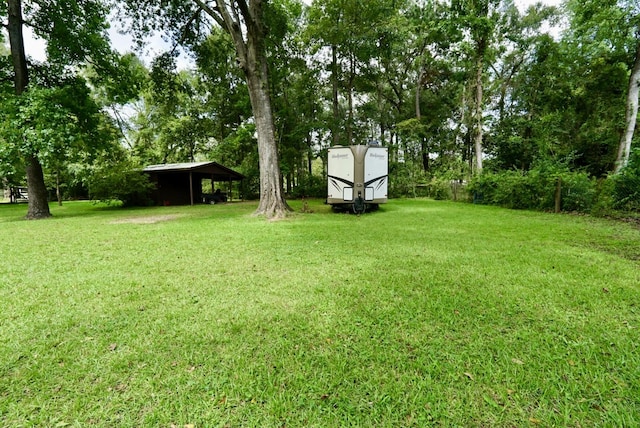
{"points": [[340, 172], [376, 171]]}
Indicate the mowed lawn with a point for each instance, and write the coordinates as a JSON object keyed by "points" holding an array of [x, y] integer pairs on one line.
{"points": [[421, 314]]}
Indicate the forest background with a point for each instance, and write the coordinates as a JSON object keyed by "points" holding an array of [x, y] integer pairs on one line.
{"points": [[476, 99]]}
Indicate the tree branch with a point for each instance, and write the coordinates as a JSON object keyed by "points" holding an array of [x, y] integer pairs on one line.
{"points": [[185, 29], [223, 17], [213, 13], [244, 9], [231, 25], [234, 11]]}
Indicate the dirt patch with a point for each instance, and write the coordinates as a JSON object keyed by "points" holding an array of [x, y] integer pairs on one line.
{"points": [[146, 219]]}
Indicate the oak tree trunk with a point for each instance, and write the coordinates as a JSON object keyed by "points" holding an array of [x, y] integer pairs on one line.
{"points": [[272, 202], [38, 203], [424, 147], [335, 139], [478, 113], [16, 40], [248, 35], [38, 200]]}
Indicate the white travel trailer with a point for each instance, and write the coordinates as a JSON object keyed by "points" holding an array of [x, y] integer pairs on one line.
{"points": [[357, 177]]}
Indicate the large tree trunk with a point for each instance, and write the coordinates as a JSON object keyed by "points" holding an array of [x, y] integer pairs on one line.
{"points": [[460, 138], [58, 191], [272, 202], [38, 203], [248, 36], [424, 146], [478, 113], [16, 40], [624, 150], [335, 139], [352, 76], [309, 155], [38, 200]]}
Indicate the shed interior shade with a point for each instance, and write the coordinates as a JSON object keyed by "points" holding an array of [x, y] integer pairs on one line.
{"points": [[181, 183]]}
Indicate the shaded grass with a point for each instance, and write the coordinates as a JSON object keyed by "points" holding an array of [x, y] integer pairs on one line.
{"points": [[423, 313]]}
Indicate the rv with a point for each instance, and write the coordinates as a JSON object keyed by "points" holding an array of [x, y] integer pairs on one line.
{"points": [[357, 177]]}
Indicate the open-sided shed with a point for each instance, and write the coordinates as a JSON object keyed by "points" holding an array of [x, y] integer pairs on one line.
{"points": [[181, 183]]}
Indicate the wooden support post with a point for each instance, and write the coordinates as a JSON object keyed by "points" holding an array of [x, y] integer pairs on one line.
{"points": [[191, 186], [558, 197]]}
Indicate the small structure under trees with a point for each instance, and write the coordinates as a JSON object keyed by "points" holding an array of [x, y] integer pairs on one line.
{"points": [[181, 183]]}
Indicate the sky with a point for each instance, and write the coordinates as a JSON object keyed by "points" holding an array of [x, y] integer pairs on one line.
{"points": [[523, 4], [36, 47]]}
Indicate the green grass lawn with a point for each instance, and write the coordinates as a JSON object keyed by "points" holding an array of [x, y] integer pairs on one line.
{"points": [[420, 314]]}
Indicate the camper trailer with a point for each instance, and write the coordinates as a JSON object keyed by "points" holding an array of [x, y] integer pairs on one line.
{"points": [[357, 177]]}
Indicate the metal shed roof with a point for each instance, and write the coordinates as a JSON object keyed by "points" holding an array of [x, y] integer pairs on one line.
{"points": [[219, 172]]}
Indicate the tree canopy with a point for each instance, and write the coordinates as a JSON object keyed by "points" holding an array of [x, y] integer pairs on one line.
{"points": [[452, 88]]}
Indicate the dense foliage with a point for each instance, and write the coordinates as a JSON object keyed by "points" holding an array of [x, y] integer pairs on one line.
{"points": [[121, 182], [626, 186], [510, 101]]}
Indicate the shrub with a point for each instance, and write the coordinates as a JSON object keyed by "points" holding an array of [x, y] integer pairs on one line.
{"points": [[603, 205], [626, 186], [310, 186], [406, 180], [509, 189], [578, 192], [439, 189], [483, 187], [518, 191], [123, 183], [535, 189]]}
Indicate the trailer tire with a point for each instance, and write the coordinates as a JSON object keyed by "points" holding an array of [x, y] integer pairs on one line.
{"points": [[359, 206]]}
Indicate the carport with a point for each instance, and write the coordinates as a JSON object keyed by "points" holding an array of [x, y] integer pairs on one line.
{"points": [[181, 183]]}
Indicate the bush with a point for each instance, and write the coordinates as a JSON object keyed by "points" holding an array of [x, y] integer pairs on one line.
{"points": [[535, 189], [603, 206], [123, 183], [310, 186], [509, 189], [406, 180], [626, 186], [578, 192], [439, 189]]}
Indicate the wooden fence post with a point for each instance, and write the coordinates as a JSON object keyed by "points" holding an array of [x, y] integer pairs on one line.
{"points": [[558, 197]]}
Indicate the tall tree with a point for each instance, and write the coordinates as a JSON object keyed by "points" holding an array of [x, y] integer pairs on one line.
{"points": [[522, 47], [631, 116], [434, 47], [225, 90], [38, 204], [294, 90], [74, 31], [244, 21], [325, 28], [478, 17], [354, 35], [612, 28]]}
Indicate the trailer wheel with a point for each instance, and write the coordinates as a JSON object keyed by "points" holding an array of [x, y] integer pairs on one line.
{"points": [[359, 206]]}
